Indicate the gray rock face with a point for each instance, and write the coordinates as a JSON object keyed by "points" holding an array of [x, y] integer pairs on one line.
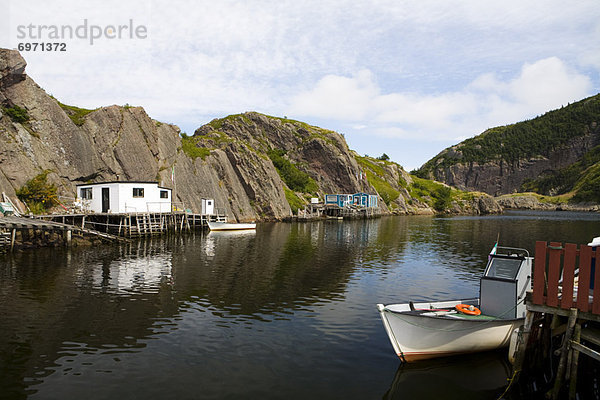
{"points": [[12, 69], [500, 177], [124, 143], [247, 138]]}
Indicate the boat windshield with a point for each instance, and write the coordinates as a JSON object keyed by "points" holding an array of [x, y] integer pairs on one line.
{"points": [[504, 268]]}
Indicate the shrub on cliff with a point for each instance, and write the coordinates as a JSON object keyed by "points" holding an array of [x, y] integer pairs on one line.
{"points": [[38, 194], [442, 198], [17, 114], [298, 181]]}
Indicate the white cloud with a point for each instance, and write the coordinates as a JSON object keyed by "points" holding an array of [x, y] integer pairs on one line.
{"points": [[401, 68], [487, 101], [338, 97]]}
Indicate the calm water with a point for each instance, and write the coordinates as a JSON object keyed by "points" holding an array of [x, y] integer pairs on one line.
{"points": [[286, 312]]}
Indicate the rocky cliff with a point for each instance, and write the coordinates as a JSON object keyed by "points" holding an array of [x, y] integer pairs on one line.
{"points": [[256, 167], [225, 160], [503, 159]]}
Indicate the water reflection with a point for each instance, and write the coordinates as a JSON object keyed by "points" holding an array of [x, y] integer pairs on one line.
{"points": [[285, 311], [284, 266], [481, 376]]}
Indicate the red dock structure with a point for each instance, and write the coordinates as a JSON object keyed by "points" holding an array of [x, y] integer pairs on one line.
{"points": [[562, 277], [565, 302]]}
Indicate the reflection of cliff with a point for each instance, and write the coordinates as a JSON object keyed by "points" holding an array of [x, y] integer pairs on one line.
{"points": [[57, 304], [466, 238], [285, 265]]}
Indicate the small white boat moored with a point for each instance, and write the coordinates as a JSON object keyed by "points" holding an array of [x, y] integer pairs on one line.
{"points": [[227, 226], [425, 330]]}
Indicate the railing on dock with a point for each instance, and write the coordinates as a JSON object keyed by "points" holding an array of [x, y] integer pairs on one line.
{"points": [[562, 277], [136, 224]]}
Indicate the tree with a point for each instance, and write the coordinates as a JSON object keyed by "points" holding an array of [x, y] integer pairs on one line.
{"points": [[38, 193], [442, 198], [383, 157]]}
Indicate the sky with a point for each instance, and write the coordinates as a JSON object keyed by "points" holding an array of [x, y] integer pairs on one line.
{"points": [[404, 78]]}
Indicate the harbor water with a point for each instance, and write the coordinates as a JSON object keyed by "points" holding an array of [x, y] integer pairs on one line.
{"points": [[286, 312]]}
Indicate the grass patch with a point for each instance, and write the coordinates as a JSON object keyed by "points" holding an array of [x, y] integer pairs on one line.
{"points": [[190, 148], [76, 114], [217, 123], [370, 164], [385, 190], [293, 200], [435, 194]]}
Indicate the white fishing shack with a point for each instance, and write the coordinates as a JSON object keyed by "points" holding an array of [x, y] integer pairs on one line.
{"points": [[124, 197], [208, 206]]}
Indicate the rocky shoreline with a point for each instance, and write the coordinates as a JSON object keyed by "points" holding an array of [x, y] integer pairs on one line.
{"points": [[529, 202]]}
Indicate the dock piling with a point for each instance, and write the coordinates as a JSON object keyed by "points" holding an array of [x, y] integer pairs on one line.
{"points": [[563, 293], [564, 352]]}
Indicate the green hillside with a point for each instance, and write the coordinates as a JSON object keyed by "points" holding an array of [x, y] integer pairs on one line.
{"points": [[536, 138]]}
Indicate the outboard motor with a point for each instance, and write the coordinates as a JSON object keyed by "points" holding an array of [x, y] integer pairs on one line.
{"points": [[506, 280]]}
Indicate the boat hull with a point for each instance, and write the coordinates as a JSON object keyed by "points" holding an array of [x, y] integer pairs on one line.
{"points": [[225, 226], [420, 335]]}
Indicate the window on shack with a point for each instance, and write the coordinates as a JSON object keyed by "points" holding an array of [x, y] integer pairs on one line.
{"points": [[85, 193]]}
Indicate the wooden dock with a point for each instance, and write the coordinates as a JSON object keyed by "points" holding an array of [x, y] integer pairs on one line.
{"points": [[11, 227], [324, 211], [137, 224], [562, 308], [109, 227]]}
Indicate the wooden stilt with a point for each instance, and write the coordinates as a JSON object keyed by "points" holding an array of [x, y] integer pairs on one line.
{"points": [[13, 236], [575, 363], [67, 234], [524, 339], [554, 394]]}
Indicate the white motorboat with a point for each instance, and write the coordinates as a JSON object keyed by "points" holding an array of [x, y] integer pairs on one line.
{"points": [[227, 226], [433, 329]]}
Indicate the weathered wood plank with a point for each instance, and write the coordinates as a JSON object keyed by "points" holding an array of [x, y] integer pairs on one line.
{"points": [[583, 289], [586, 350], [588, 316], [566, 301], [554, 253]]}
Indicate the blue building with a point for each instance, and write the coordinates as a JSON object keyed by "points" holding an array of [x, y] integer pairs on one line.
{"points": [[341, 200], [357, 200]]}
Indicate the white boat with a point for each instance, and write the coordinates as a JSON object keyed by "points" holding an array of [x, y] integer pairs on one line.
{"points": [[433, 329], [227, 226]]}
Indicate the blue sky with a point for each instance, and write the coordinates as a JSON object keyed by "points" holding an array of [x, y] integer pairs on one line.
{"points": [[407, 78]]}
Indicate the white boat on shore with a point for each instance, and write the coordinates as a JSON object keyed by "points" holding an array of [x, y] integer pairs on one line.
{"points": [[433, 329], [227, 226]]}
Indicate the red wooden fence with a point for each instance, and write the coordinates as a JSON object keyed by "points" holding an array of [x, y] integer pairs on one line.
{"points": [[555, 261]]}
